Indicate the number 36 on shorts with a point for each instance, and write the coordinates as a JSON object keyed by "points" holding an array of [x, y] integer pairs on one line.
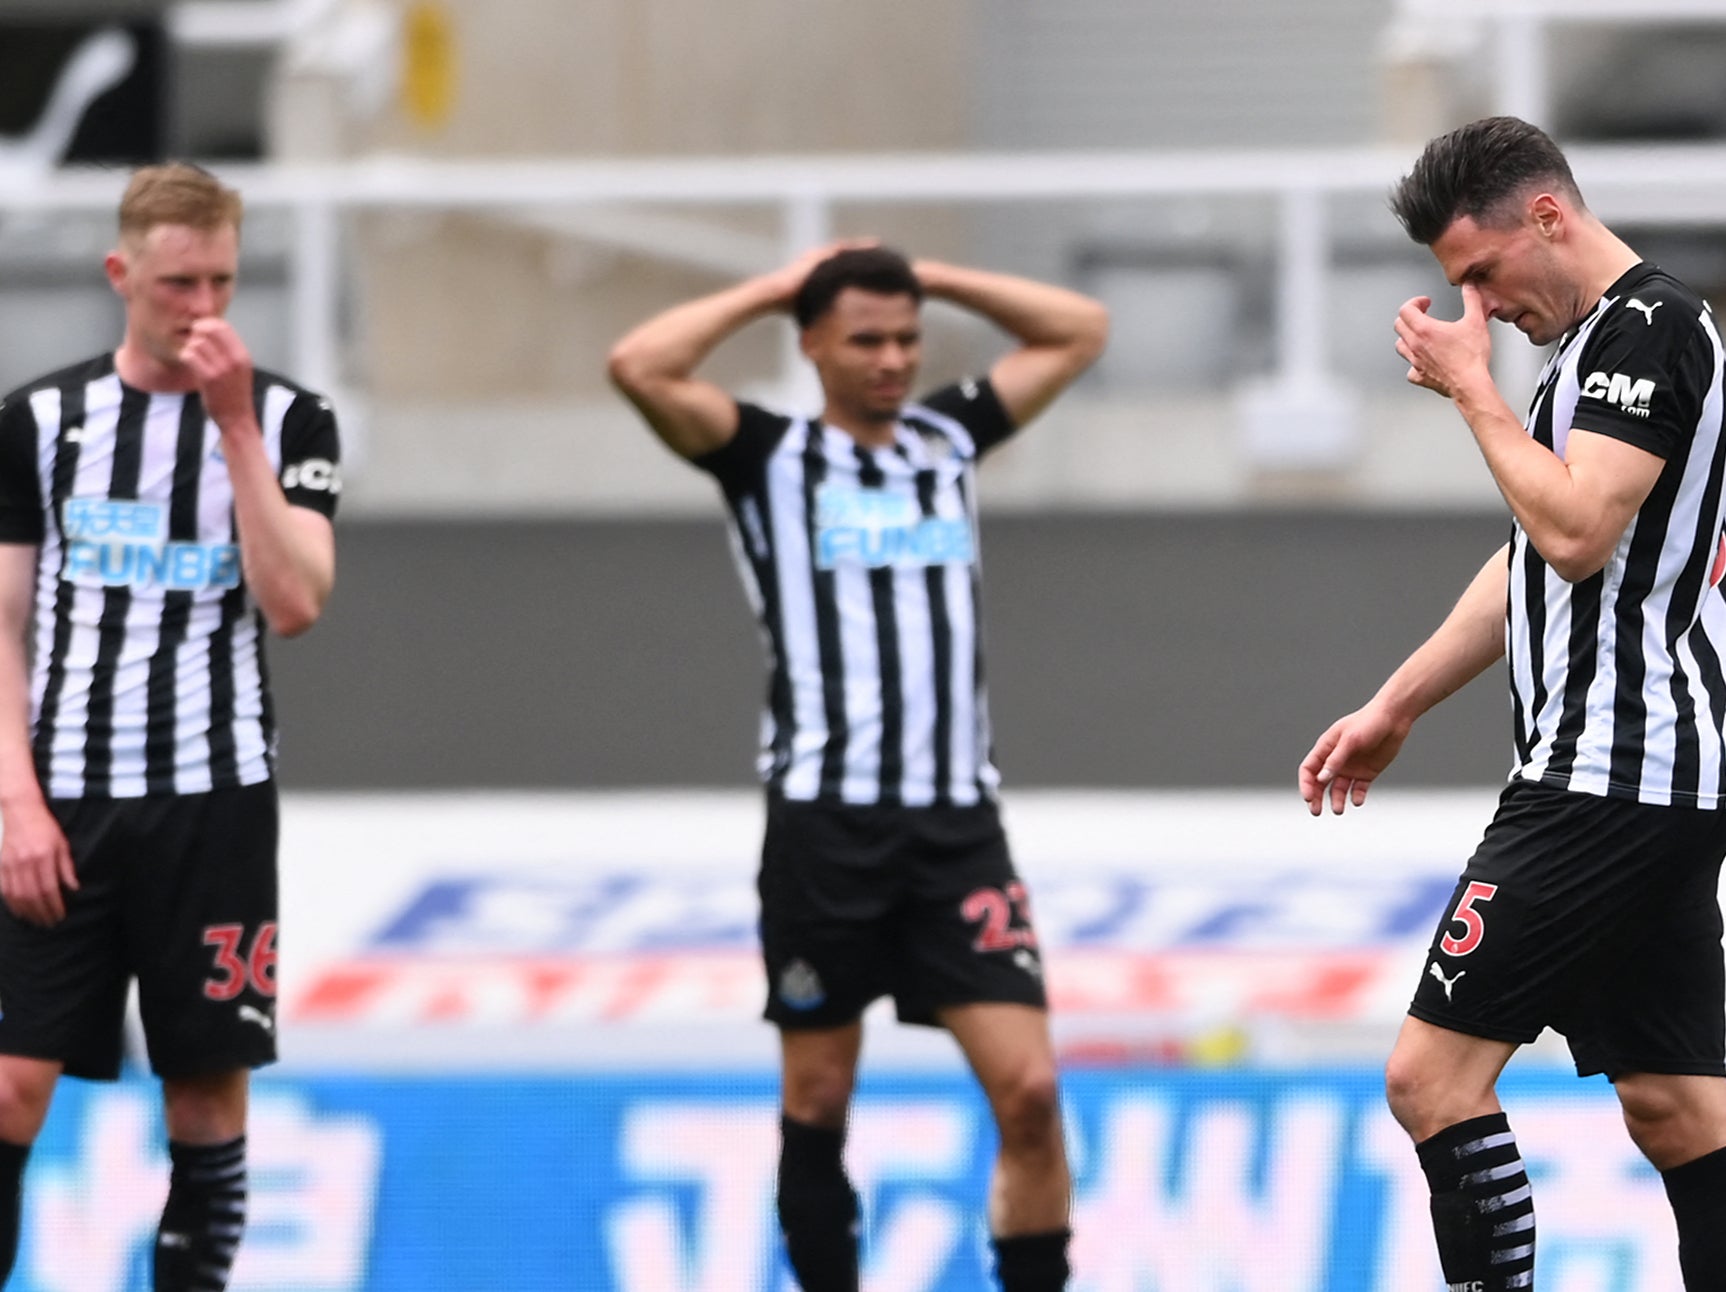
{"points": [[1465, 914], [237, 964]]}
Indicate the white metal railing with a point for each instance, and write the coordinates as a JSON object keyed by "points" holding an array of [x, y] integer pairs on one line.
{"points": [[1516, 34], [1672, 185]]}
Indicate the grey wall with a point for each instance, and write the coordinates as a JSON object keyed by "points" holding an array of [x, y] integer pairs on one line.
{"points": [[1141, 650]]}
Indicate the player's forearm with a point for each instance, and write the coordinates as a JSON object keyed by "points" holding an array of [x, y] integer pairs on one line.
{"points": [[672, 345], [288, 559], [1567, 526], [1037, 314], [1466, 644]]}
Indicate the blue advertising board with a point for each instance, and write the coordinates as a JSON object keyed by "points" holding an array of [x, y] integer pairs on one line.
{"points": [[657, 1181]]}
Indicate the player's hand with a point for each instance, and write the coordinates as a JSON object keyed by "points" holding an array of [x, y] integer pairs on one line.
{"points": [[1349, 757], [35, 866], [1445, 355], [223, 368], [785, 282]]}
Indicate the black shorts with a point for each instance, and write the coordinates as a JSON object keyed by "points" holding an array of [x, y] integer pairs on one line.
{"points": [[921, 904], [176, 890], [1597, 917]]}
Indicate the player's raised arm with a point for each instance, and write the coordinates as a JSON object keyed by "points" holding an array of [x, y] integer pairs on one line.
{"points": [[1060, 332], [1355, 749], [1574, 507], [654, 364], [288, 552]]}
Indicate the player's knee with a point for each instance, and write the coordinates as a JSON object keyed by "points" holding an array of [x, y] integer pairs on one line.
{"points": [[1666, 1118], [817, 1097], [1028, 1109], [1412, 1096], [26, 1087]]}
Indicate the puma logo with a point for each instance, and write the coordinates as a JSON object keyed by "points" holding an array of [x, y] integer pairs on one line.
{"points": [[1448, 984], [251, 1014], [1647, 310]]}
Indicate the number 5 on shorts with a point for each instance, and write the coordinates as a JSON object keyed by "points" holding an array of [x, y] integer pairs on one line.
{"points": [[1474, 928]]}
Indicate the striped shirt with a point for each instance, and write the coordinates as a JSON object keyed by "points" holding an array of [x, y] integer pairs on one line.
{"points": [[1616, 681], [862, 566], [147, 662]]}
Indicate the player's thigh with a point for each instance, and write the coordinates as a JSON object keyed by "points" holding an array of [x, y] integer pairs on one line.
{"points": [[203, 932], [827, 886], [967, 935], [63, 988]]}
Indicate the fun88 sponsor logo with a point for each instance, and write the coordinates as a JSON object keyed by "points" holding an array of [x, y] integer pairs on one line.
{"points": [[114, 543], [875, 528]]}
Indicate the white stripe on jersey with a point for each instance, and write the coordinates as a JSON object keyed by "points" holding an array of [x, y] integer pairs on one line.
{"points": [[802, 663]]}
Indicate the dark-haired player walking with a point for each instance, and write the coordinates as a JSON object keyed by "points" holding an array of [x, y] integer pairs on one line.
{"points": [[884, 870], [1591, 905]]}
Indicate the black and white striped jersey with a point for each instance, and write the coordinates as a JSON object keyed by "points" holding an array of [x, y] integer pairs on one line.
{"points": [[1616, 681], [862, 566], [147, 662]]}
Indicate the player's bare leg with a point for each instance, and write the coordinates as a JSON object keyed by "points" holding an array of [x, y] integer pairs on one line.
{"points": [[1441, 1088], [817, 1206], [26, 1089], [1030, 1196], [205, 1213], [1679, 1123]]}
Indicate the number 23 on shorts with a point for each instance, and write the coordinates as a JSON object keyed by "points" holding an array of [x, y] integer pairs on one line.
{"points": [[1473, 926]]}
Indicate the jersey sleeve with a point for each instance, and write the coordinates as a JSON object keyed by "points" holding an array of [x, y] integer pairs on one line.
{"points": [[21, 519], [739, 460], [1632, 375], [975, 406], [311, 455]]}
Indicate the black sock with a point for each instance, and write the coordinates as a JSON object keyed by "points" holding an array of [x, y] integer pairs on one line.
{"points": [[1033, 1262], [203, 1218], [817, 1207], [1697, 1192], [1482, 1209], [12, 1159]]}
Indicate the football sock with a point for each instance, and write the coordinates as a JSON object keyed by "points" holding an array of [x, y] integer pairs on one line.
{"points": [[1032, 1262], [1482, 1208], [1697, 1192], [12, 1159], [817, 1207], [203, 1218]]}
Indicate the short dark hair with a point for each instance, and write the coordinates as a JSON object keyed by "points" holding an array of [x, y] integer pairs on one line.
{"points": [[872, 269], [1473, 171]]}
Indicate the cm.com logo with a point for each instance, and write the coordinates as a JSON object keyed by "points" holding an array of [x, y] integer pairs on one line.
{"points": [[1634, 396]]}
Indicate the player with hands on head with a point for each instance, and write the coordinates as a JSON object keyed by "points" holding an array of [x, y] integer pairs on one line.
{"points": [[1591, 904], [885, 869], [161, 505]]}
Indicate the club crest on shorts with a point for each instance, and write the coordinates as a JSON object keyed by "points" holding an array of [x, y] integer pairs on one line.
{"points": [[800, 986]]}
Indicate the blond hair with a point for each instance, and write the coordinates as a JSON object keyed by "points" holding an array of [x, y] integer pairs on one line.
{"points": [[177, 193]]}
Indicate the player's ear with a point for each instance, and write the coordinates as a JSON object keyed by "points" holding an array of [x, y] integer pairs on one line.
{"points": [[1546, 213], [117, 267]]}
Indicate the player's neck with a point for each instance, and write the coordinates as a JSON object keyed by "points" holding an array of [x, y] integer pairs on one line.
{"points": [[871, 433], [139, 370]]}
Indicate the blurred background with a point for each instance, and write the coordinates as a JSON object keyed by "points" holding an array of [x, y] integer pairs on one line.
{"points": [[519, 981]]}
